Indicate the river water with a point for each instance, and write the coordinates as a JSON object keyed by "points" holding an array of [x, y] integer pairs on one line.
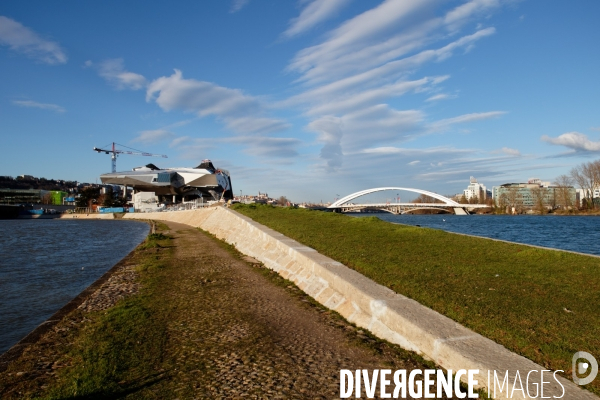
{"points": [[44, 263], [574, 233]]}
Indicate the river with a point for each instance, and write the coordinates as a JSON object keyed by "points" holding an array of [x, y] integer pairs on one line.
{"points": [[44, 263], [574, 233]]}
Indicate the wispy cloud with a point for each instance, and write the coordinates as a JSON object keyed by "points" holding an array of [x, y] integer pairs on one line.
{"points": [[269, 147], [194, 149], [363, 42], [314, 13], [354, 34], [346, 81], [441, 96], [241, 113], [357, 100], [508, 151], [463, 13], [35, 104], [465, 118], [24, 40], [154, 136], [114, 72], [575, 141], [237, 5]]}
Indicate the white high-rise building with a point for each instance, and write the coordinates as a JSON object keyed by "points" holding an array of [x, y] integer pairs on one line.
{"points": [[475, 190]]}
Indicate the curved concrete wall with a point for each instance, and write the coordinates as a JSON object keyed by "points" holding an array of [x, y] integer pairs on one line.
{"points": [[386, 314]]}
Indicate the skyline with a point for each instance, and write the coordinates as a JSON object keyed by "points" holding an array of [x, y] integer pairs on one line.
{"points": [[305, 99]]}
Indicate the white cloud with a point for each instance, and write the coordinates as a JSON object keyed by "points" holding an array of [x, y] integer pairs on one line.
{"points": [[330, 133], [574, 140], [114, 72], [370, 39], [595, 128], [461, 14], [356, 33], [391, 70], [240, 113], [348, 78], [35, 104], [465, 118], [508, 151], [441, 96], [366, 127], [269, 147], [314, 13], [414, 162], [24, 40], [375, 125], [237, 5], [154, 136], [359, 100]]}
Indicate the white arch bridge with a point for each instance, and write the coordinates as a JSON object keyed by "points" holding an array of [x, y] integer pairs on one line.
{"points": [[345, 204]]}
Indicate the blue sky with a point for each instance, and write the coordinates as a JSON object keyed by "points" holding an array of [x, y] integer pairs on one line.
{"points": [[308, 99]]}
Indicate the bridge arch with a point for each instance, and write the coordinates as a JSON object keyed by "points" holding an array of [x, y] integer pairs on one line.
{"points": [[448, 202]]}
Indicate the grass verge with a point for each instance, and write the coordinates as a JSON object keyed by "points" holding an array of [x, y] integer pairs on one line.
{"points": [[118, 351], [542, 304]]}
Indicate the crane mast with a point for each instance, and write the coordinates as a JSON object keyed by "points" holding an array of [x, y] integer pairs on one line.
{"points": [[114, 152]]}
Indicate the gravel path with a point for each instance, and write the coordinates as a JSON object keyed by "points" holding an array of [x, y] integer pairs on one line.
{"points": [[236, 332]]}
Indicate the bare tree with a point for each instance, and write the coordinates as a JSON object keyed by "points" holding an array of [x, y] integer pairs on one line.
{"points": [[423, 198], [282, 201], [563, 185], [587, 176], [539, 199], [514, 198], [47, 198]]}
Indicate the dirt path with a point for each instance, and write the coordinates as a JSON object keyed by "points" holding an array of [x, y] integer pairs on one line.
{"points": [[235, 332]]}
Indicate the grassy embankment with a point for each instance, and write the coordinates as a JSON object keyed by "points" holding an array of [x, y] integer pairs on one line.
{"points": [[120, 350], [542, 304]]}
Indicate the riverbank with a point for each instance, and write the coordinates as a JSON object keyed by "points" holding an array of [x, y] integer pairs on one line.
{"points": [[527, 299], [203, 321]]}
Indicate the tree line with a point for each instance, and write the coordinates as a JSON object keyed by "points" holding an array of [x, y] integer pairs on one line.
{"points": [[8, 182]]}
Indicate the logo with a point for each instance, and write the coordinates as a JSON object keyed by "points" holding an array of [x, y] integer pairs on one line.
{"points": [[581, 367]]}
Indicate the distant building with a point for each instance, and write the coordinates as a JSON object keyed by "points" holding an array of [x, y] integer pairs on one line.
{"points": [[21, 196], [533, 194], [582, 194], [475, 190]]}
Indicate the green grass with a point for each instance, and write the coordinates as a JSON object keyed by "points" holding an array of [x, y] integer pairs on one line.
{"points": [[120, 350], [542, 304]]}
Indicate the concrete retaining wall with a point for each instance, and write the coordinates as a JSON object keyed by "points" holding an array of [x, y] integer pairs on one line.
{"points": [[386, 314]]}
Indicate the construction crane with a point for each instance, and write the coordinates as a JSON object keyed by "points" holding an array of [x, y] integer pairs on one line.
{"points": [[114, 152]]}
